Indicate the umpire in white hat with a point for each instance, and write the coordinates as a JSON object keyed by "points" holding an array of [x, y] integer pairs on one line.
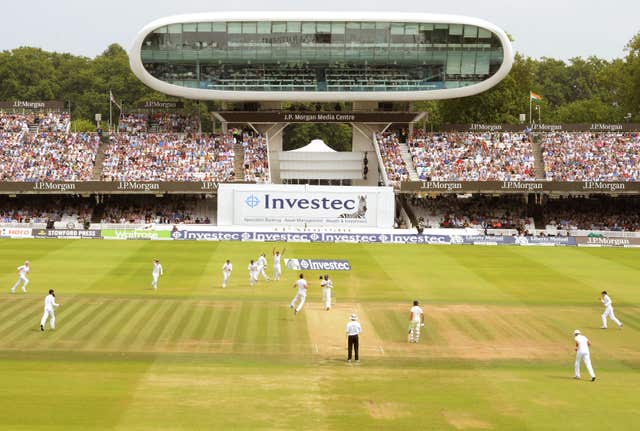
{"points": [[353, 331]]}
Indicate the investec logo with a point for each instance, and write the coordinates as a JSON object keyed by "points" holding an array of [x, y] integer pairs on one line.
{"points": [[58, 187], [601, 185], [134, 185], [529, 186], [272, 203], [441, 185]]}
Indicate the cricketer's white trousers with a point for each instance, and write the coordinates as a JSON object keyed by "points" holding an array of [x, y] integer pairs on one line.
{"points": [[587, 363], [277, 272], [48, 314], [24, 281], [154, 283], [261, 272], [608, 312], [326, 297], [225, 278], [414, 331], [299, 296], [253, 277]]}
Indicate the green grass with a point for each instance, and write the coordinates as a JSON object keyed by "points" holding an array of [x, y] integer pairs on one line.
{"points": [[497, 352]]}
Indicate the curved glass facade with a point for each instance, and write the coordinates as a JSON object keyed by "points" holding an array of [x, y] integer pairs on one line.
{"points": [[307, 56]]}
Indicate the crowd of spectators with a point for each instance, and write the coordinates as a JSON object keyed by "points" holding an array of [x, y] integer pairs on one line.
{"points": [[620, 213], [169, 157], [44, 209], [48, 157], [591, 156], [394, 164], [45, 121], [133, 123], [479, 212], [256, 158], [167, 122], [146, 209], [473, 156]]}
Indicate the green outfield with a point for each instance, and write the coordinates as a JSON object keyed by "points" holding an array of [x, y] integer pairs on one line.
{"points": [[496, 353]]}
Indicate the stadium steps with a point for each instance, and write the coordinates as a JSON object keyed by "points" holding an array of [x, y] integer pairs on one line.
{"points": [[238, 161], [97, 170], [538, 159], [406, 156]]}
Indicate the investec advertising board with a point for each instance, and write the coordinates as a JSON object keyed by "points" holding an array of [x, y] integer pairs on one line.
{"points": [[290, 205]]}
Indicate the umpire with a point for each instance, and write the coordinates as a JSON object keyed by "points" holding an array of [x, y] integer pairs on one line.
{"points": [[353, 329]]}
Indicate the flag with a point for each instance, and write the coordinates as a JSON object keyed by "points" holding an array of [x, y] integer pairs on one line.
{"points": [[534, 96], [113, 100]]}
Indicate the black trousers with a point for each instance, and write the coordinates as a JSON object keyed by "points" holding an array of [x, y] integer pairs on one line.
{"points": [[353, 344]]}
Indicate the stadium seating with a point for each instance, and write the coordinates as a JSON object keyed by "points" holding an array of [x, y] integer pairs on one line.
{"points": [[256, 159], [35, 121], [591, 156]]}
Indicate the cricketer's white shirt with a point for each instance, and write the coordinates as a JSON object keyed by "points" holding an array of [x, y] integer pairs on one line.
{"points": [[252, 267], [276, 259], [328, 283], [353, 328], [227, 267], [583, 343], [302, 286], [606, 301], [24, 269], [50, 302], [323, 283], [157, 269], [262, 261], [416, 313]]}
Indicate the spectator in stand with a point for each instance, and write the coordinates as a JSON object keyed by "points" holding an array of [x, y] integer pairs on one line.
{"points": [[133, 123], [594, 213], [256, 158], [473, 157], [48, 157], [394, 164], [169, 157], [591, 156]]}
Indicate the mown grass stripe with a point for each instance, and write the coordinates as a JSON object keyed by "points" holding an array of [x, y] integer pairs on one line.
{"points": [[230, 328], [200, 330], [181, 327], [241, 335], [272, 329], [122, 341], [14, 306], [157, 324], [136, 340], [73, 323], [167, 331], [20, 308], [107, 332], [87, 331], [217, 327], [189, 342]]}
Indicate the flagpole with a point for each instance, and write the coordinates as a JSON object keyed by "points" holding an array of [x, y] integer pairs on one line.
{"points": [[110, 112], [530, 117]]}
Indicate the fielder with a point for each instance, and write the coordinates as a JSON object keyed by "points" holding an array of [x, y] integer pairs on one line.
{"points": [[416, 319], [226, 272], [253, 273], [302, 286], [49, 303], [608, 310], [23, 270], [157, 272], [277, 267], [582, 354], [326, 285], [262, 263]]}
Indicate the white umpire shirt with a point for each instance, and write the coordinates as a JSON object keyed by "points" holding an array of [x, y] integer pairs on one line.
{"points": [[354, 328]]}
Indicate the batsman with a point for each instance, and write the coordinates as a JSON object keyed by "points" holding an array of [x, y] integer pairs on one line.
{"points": [[416, 321]]}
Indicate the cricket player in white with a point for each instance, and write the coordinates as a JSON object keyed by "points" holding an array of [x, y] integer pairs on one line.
{"points": [[49, 303], [353, 338], [23, 270], [302, 286], [157, 272], [608, 311], [226, 272], [262, 263], [416, 320], [327, 286], [582, 354], [277, 266], [253, 273]]}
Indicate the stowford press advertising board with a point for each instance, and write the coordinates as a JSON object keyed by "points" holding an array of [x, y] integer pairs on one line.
{"points": [[303, 205]]}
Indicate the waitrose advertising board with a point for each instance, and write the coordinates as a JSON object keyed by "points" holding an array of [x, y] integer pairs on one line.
{"points": [[303, 205]]}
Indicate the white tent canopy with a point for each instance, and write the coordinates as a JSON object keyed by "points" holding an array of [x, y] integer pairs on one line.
{"points": [[315, 146]]}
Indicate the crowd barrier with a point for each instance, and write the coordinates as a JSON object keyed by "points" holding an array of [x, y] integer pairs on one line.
{"points": [[397, 236]]}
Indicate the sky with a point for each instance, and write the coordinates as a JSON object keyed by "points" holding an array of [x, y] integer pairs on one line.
{"points": [[541, 28]]}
